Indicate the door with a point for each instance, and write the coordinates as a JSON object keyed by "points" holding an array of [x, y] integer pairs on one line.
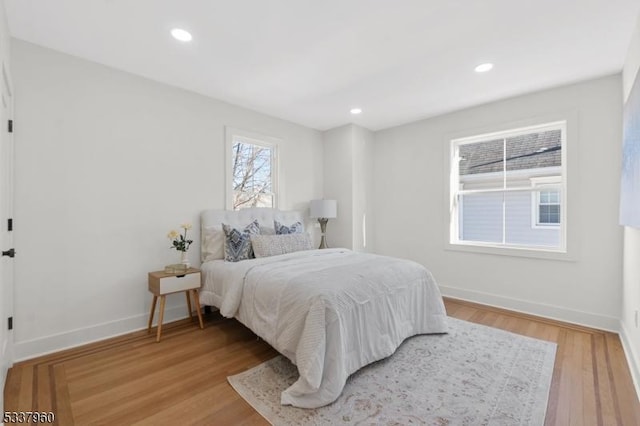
{"points": [[6, 234]]}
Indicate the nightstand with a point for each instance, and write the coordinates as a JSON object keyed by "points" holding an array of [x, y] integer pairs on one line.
{"points": [[162, 283]]}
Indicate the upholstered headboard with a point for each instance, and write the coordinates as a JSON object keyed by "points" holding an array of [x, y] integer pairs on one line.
{"points": [[212, 237]]}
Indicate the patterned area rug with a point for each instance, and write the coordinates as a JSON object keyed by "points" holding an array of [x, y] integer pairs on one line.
{"points": [[475, 375]]}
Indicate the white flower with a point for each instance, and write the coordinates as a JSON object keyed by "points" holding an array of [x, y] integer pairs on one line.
{"points": [[179, 241]]}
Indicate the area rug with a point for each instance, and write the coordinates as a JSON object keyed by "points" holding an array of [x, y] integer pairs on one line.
{"points": [[474, 375]]}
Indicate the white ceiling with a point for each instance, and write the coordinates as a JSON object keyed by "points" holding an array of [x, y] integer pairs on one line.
{"points": [[310, 61]]}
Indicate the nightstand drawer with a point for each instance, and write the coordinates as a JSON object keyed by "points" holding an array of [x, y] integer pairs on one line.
{"points": [[172, 284]]}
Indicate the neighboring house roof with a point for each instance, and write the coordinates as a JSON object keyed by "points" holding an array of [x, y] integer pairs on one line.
{"points": [[531, 151]]}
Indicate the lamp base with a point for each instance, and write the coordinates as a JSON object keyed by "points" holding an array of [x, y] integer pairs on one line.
{"points": [[323, 231]]}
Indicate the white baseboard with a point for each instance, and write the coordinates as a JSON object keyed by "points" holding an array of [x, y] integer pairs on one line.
{"points": [[587, 319], [81, 336], [633, 358]]}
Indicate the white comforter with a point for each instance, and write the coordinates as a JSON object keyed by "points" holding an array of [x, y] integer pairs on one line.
{"points": [[331, 312]]}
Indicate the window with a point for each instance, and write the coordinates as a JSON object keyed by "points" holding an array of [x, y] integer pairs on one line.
{"points": [[252, 173], [548, 208], [507, 189], [545, 203]]}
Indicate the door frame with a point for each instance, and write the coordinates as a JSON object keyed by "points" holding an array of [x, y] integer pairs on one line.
{"points": [[7, 284]]}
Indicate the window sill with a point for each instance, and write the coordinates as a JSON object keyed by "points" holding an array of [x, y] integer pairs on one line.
{"points": [[541, 253]]}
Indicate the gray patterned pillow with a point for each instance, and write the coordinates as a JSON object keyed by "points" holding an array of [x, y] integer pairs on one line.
{"points": [[237, 244], [295, 228], [272, 245]]}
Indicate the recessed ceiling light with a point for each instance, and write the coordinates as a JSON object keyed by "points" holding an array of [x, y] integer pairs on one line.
{"points": [[484, 67], [180, 34], [356, 110]]}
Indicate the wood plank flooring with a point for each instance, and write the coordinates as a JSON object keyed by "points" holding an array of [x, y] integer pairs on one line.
{"points": [[132, 379]]}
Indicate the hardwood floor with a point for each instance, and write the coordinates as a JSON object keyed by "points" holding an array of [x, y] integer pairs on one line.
{"points": [[182, 380]]}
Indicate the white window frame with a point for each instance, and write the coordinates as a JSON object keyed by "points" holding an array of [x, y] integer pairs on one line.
{"points": [[233, 134], [453, 241], [543, 184]]}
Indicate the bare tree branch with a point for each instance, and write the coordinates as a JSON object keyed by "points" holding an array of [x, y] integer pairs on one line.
{"points": [[251, 175]]}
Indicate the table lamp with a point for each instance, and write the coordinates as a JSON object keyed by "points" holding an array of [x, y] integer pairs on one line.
{"points": [[323, 210]]}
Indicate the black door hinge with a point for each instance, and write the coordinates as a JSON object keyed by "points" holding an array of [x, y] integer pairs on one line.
{"points": [[11, 253], [10, 323], [10, 224], [10, 126]]}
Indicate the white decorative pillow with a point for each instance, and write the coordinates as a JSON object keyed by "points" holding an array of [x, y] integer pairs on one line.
{"points": [[272, 245], [237, 245], [294, 228], [213, 243]]}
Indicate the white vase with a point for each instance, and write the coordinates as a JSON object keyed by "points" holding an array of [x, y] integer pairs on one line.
{"points": [[184, 259]]}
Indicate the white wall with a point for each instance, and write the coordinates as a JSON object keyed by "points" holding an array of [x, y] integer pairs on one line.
{"points": [[338, 184], [362, 189], [106, 164], [411, 218], [348, 171], [630, 332]]}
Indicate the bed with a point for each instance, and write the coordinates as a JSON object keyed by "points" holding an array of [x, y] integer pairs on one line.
{"points": [[329, 311]]}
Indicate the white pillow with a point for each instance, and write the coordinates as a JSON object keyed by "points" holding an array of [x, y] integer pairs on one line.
{"points": [[273, 245], [213, 243]]}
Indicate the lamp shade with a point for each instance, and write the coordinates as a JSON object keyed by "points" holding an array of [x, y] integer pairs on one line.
{"points": [[326, 209]]}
